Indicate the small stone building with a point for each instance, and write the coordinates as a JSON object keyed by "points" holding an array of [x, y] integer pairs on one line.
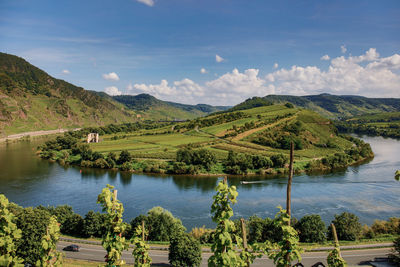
{"points": [[93, 138]]}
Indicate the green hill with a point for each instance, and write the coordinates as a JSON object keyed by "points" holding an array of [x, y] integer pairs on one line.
{"points": [[32, 100], [331, 106], [150, 107], [248, 141]]}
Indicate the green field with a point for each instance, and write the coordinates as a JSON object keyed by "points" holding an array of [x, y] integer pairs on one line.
{"points": [[163, 143]]}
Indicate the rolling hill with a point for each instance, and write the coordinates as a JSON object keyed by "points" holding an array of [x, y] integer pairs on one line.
{"points": [[331, 106], [32, 100], [149, 106]]}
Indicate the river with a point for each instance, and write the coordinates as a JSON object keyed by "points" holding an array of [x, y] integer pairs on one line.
{"points": [[368, 190]]}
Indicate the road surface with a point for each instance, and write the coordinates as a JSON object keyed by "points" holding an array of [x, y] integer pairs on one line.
{"points": [[160, 257]]}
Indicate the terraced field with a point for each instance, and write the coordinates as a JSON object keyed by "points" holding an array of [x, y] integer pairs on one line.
{"points": [[221, 134]]}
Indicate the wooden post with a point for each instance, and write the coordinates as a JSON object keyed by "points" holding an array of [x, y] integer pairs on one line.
{"points": [[244, 236], [225, 180], [335, 238], [289, 184], [288, 194], [142, 230]]}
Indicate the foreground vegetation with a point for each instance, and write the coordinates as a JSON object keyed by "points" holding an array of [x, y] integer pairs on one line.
{"points": [[243, 142]]}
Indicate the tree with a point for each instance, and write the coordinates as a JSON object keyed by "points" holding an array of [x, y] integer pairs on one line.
{"points": [[124, 156], [141, 249], [49, 256], [9, 233], [311, 229], [93, 224], [163, 225], [184, 250], [347, 226], [112, 240]]}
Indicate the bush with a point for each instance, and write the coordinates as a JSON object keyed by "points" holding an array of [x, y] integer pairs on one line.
{"points": [[124, 156], [279, 160], [311, 229], [184, 250], [93, 224], [161, 223], [347, 227]]}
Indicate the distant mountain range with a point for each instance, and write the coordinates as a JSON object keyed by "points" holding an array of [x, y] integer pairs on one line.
{"points": [[32, 100], [331, 106]]}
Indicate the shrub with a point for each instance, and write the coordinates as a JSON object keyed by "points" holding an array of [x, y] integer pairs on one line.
{"points": [[347, 227], [93, 224], [162, 224], [311, 229], [279, 160], [184, 250], [124, 156]]}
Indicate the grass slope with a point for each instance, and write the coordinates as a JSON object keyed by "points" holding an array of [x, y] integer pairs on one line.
{"points": [[331, 106], [238, 132], [31, 100]]}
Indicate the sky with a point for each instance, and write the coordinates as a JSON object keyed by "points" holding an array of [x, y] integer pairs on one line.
{"points": [[217, 52]]}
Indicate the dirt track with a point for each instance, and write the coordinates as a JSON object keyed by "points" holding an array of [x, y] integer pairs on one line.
{"points": [[36, 133]]}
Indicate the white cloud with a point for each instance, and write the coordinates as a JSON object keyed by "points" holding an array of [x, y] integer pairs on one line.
{"points": [[129, 87], [276, 65], [325, 57], [112, 76], [219, 59], [368, 75], [203, 71], [146, 2], [343, 48], [66, 72], [345, 75], [112, 90]]}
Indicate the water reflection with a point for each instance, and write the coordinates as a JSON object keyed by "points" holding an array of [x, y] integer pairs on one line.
{"points": [[368, 190]]}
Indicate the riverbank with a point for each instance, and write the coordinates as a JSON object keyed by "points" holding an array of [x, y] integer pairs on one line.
{"points": [[35, 133]]}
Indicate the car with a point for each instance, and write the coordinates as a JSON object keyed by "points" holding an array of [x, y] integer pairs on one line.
{"points": [[74, 248]]}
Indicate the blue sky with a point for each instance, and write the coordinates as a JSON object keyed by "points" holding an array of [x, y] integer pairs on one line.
{"points": [[161, 46]]}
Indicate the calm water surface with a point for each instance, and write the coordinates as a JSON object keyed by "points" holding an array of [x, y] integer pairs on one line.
{"points": [[368, 190]]}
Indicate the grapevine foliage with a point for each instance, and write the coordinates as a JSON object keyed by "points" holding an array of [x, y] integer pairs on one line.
{"points": [[223, 248], [141, 250], [334, 259], [49, 256], [112, 240], [289, 245], [9, 233]]}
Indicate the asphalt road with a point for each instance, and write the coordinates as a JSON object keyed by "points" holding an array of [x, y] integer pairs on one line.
{"points": [[160, 258]]}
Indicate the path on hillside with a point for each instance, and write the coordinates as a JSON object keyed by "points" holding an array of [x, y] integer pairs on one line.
{"points": [[160, 257], [249, 132], [36, 133]]}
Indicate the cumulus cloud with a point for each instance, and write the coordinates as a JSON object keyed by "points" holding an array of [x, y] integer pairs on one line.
{"points": [[345, 75], [368, 75], [112, 76], [343, 48], [66, 72], [219, 59], [112, 90], [325, 57], [276, 65], [203, 71], [146, 2]]}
